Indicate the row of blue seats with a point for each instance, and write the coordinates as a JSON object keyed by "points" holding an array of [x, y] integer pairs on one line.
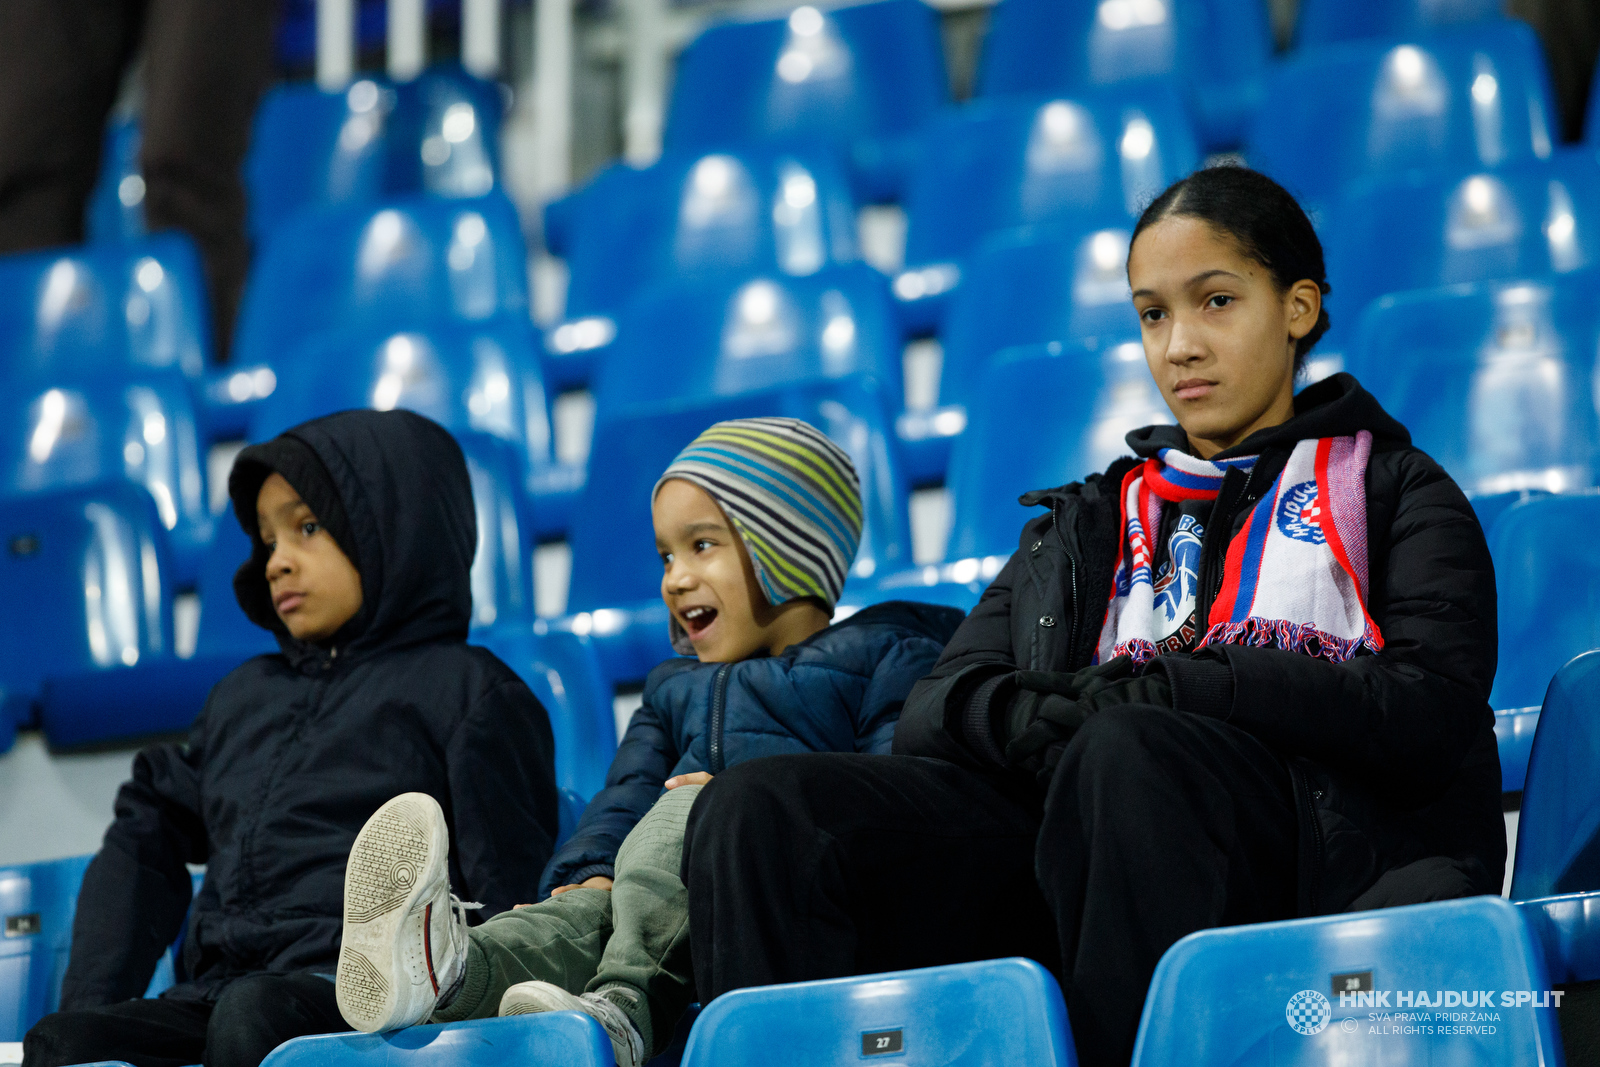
{"points": [[1010, 1011]]}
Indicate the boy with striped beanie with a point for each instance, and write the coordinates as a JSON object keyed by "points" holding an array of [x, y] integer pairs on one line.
{"points": [[757, 522]]}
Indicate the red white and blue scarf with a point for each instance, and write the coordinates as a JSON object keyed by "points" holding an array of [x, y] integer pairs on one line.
{"points": [[1294, 577]]}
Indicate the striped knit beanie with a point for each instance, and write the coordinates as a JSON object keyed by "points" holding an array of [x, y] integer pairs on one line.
{"points": [[793, 496]]}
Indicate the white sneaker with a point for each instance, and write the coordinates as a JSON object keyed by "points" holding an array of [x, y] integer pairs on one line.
{"points": [[405, 935], [525, 998]]}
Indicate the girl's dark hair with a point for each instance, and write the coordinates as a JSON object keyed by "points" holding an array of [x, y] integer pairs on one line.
{"points": [[1267, 222]]}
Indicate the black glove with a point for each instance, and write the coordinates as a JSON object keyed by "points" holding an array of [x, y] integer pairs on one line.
{"points": [[1050, 707]]}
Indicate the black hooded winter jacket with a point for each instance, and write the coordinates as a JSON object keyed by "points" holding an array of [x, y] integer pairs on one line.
{"points": [[294, 751], [1392, 756]]}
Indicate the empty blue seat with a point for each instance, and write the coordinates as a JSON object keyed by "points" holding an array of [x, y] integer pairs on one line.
{"points": [[116, 206], [1418, 231], [615, 591], [568, 1038], [1492, 379], [402, 263], [312, 148], [1558, 833], [444, 136], [1467, 98], [36, 905], [688, 339], [997, 1013], [751, 212], [1549, 609], [135, 426], [1216, 50], [1283, 982], [1325, 21], [859, 78], [103, 308], [1087, 161], [224, 631]]}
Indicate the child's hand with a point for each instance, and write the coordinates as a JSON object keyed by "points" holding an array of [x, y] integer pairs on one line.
{"points": [[694, 778], [599, 881]]}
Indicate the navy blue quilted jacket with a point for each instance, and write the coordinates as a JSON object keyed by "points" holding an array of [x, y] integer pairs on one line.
{"points": [[838, 691]]}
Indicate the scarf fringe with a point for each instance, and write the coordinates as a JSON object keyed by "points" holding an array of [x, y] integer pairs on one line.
{"points": [[1292, 637]]}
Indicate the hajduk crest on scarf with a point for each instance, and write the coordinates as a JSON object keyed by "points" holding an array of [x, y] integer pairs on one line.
{"points": [[1294, 577]]}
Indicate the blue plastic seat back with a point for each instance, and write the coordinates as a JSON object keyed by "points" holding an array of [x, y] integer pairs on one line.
{"points": [[135, 426], [1492, 379], [731, 213], [1078, 401], [995, 1013], [224, 630], [1322, 22], [1082, 161], [97, 309], [1419, 231], [444, 134], [558, 1037], [1549, 607], [614, 560], [690, 339], [820, 74], [36, 906], [405, 262], [116, 206], [1466, 98], [1034, 285], [92, 562], [1289, 1011], [1217, 50], [502, 568], [312, 148], [1558, 833], [564, 671]]}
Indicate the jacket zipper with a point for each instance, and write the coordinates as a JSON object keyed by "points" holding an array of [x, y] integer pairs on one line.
{"points": [[1316, 841], [1072, 584], [719, 699]]}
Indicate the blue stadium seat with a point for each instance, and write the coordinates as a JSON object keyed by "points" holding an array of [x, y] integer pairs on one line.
{"points": [[1423, 230], [402, 263], [615, 591], [1270, 993], [1492, 379], [568, 1038], [444, 138], [224, 632], [1462, 99], [116, 206], [1082, 162], [1549, 611], [312, 149], [688, 339], [1514, 731], [36, 905], [564, 671], [996, 1013], [1325, 21], [572, 806], [1216, 50], [1558, 834], [859, 78], [475, 377], [140, 427], [94, 309], [502, 571], [728, 214]]}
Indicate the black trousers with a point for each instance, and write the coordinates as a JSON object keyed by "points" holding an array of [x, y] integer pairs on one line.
{"points": [[1156, 824], [253, 1016], [206, 63]]}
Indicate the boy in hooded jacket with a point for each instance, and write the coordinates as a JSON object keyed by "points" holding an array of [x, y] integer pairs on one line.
{"points": [[363, 530], [757, 523]]}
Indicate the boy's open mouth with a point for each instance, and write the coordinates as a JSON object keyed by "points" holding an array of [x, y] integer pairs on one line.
{"points": [[697, 619]]}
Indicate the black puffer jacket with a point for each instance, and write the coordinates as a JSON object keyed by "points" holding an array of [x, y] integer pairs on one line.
{"points": [[294, 751], [1392, 756]]}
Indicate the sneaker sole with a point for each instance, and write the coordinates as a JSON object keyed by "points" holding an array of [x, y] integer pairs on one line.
{"points": [[392, 864]]}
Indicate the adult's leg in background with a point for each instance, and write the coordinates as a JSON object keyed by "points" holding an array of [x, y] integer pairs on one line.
{"points": [[61, 64], [255, 1015], [168, 1032], [1157, 823], [207, 62], [823, 865]]}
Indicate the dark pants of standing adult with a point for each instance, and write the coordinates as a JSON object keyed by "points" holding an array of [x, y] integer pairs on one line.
{"points": [[206, 63], [253, 1016], [1156, 824]]}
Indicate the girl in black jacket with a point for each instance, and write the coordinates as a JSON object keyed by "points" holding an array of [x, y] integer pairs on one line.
{"points": [[1241, 677]]}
